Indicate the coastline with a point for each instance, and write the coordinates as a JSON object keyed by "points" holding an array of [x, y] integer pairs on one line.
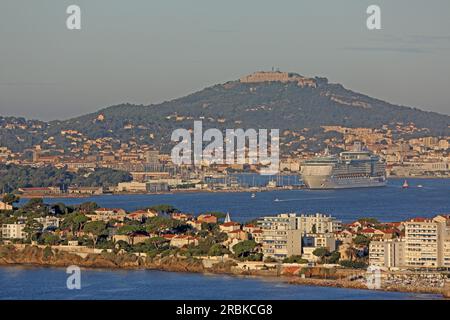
{"points": [[205, 191], [32, 256]]}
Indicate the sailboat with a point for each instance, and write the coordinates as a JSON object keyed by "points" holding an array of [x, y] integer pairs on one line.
{"points": [[405, 185]]}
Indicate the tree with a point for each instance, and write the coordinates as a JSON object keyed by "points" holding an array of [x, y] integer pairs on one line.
{"points": [[295, 259], [164, 208], [74, 221], [353, 264], [270, 260], [334, 257], [34, 204], [96, 229], [217, 250], [10, 198], [217, 214], [369, 220], [130, 230], [321, 253], [361, 240], [49, 238], [89, 206], [32, 229], [156, 224], [60, 208], [244, 248]]}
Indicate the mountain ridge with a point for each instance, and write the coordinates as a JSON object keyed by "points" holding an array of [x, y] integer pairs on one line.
{"points": [[292, 103]]}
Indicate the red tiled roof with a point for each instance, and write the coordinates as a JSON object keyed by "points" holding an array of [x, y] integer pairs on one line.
{"points": [[230, 224]]}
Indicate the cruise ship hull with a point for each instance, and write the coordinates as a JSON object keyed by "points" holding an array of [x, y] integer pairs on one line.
{"points": [[328, 182]]}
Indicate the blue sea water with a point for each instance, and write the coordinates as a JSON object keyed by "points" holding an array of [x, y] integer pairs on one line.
{"points": [[390, 203], [50, 283]]}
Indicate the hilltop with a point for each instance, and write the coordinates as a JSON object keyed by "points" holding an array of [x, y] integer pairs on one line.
{"points": [[287, 101]]}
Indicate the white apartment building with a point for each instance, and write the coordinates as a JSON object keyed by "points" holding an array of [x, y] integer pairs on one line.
{"points": [[387, 253], [48, 222], [428, 242], [318, 223], [282, 234], [13, 231]]}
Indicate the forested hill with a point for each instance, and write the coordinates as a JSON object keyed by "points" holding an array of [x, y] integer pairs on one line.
{"points": [[249, 105]]}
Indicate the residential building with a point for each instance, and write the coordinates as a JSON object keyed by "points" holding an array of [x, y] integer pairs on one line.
{"points": [[427, 242], [13, 231], [313, 241], [48, 222], [207, 218], [183, 240], [5, 206], [141, 215], [106, 214], [318, 223], [387, 253], [280, 238], [229, 226]]}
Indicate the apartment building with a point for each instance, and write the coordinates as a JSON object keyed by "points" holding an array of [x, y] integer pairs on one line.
{"points": [[48, 222], [387, 253], [13, 231], [311, 242], [318, 223], [5, 206], [280, 237], [428, 242]]}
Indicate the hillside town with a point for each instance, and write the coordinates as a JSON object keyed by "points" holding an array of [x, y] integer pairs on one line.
{"points": [[153, 171]]}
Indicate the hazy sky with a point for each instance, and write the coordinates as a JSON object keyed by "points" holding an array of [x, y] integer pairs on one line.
{"points": [[148, 51]]}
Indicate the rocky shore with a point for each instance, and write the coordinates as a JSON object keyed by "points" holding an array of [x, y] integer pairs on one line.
{"points": [[340, 278]]}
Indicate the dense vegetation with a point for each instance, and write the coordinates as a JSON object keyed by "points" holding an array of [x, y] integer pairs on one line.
{"points": [[13, 177]]}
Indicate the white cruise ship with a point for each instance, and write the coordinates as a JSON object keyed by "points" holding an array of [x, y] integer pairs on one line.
{"points": [[350, 169]]}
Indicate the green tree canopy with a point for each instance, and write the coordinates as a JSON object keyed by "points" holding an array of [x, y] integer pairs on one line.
{"points": [[10, 198], [295, 259], [96, 229], [74, 221], [321, 252], [361, 240], [164, 208], [244, 248]]}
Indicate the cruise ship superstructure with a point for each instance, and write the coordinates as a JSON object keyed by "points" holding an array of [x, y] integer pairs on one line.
{"points": [[350, 169]]}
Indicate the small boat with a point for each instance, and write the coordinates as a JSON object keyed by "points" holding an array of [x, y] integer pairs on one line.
{"points": [[405, 185], [419, 186], [276, 200], [253, 195]]}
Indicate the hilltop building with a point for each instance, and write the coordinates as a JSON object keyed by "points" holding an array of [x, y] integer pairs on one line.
{"points": [[277, 76]]}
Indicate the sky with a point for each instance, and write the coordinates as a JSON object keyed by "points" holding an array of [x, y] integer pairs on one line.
{"points": [[149, 51]]}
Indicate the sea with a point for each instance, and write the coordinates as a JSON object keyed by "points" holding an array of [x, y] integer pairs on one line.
{"points": [[33, 283], [423, 198]]}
